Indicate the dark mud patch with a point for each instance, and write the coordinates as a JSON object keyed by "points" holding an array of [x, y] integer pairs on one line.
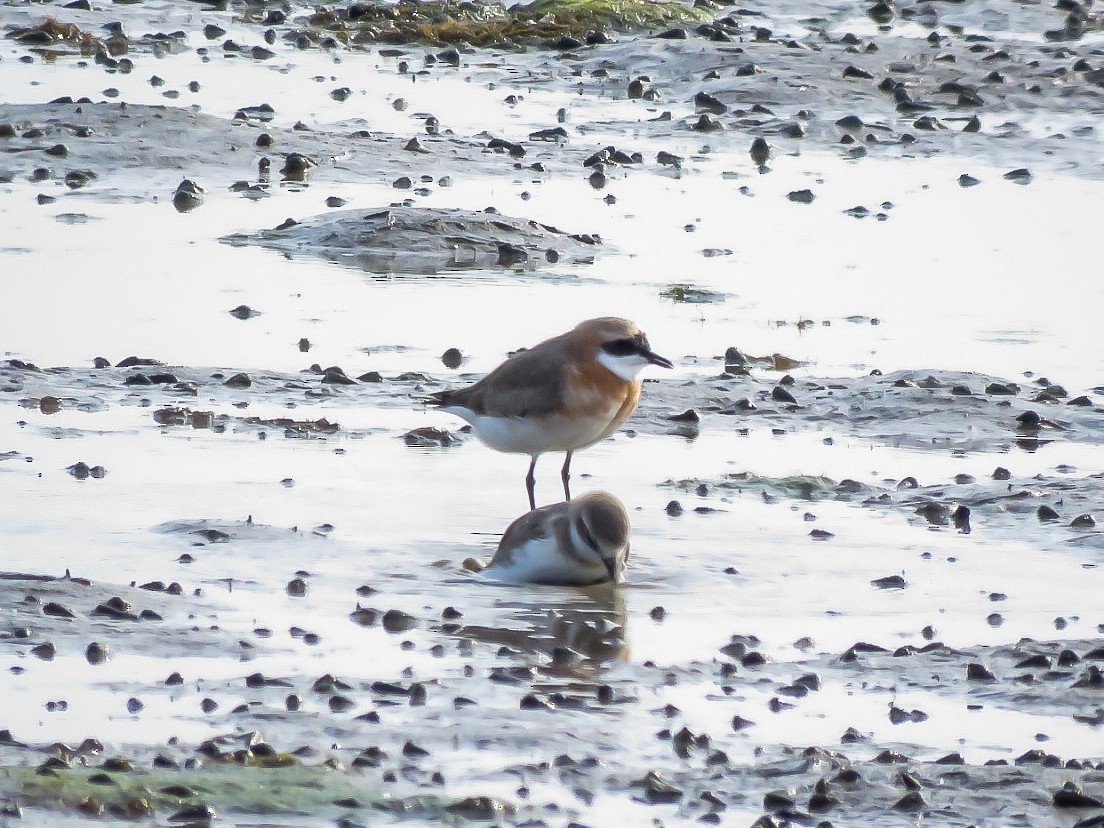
{"points": [[206, 531], [931, 410], [383, 757], [1066, 506], [1061, 676], [904, 80], [957, 79], [110, 149], [941, 411], [421, 240], [175, 393], [59, 617]]}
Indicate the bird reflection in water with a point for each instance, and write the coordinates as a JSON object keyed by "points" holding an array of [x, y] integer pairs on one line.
{"points": [[579, 630]]}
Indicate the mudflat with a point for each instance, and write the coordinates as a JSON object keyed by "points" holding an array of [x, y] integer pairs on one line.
{"points": [[242, 243]]}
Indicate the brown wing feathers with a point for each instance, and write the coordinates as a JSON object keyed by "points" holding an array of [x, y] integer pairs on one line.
{"points": [[529, 383]]}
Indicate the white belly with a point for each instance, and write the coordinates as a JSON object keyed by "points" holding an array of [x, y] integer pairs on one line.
{"points": [[540, 561], [518, 435]]}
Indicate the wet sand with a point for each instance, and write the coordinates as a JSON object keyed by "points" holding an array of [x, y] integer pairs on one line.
{"points": [[864, 586]]}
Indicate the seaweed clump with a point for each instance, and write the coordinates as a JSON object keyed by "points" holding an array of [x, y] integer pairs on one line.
{"points": [[52, 32], [543, 22]]}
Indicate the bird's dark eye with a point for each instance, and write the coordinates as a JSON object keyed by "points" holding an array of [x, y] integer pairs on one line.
{"points": [[621, 347]]}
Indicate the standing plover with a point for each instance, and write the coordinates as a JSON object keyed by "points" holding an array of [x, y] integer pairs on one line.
{"points": [[565, 394]]}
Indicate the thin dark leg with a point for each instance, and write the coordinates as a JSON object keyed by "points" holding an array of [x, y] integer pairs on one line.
{"points": [[565, 476], [531, 484]]}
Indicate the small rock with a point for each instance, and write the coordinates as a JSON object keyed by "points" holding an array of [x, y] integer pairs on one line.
{"points": [[890, 582], [657, 789], [1046, 514], [979, 672], [396, 621], [96, 653], [244, 312]]}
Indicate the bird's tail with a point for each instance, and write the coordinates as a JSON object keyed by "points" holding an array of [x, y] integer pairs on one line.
{"points": [[438, 397]]}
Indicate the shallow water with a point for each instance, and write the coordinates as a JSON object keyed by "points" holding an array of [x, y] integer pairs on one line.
{"points": [[995, 279]]}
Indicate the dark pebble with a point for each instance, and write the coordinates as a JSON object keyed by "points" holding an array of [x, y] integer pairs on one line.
{"points": [[296, 588], [56, 610], [707, 124], [705, 102], [396, 621], [1046, 514], [96, 653], [341, 704], [979, 672], [45, 652], [1071, 796], [890, 582]]}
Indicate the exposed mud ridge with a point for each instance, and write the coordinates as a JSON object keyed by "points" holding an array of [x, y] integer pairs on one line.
{"points": [[1069, 504], [72, 617], [813, 786], [917, 78], [946, 411], [425, 240], [936, 410], [370, 750], [112, 149]]}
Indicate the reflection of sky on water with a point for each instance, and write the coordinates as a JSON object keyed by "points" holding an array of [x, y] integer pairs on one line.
{"points": [[994, 278]]}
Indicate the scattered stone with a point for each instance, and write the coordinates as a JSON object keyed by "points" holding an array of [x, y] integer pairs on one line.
{"points": [[244, 312], [658, 790]]}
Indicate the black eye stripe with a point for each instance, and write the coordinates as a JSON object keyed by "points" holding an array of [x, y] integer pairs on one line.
{"points": [[621, 347]]}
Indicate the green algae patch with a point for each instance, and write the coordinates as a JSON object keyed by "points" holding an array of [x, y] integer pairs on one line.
{"points": [[544, 22], [291, 789], [796, 487], [299, 794], [620, 15]]}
